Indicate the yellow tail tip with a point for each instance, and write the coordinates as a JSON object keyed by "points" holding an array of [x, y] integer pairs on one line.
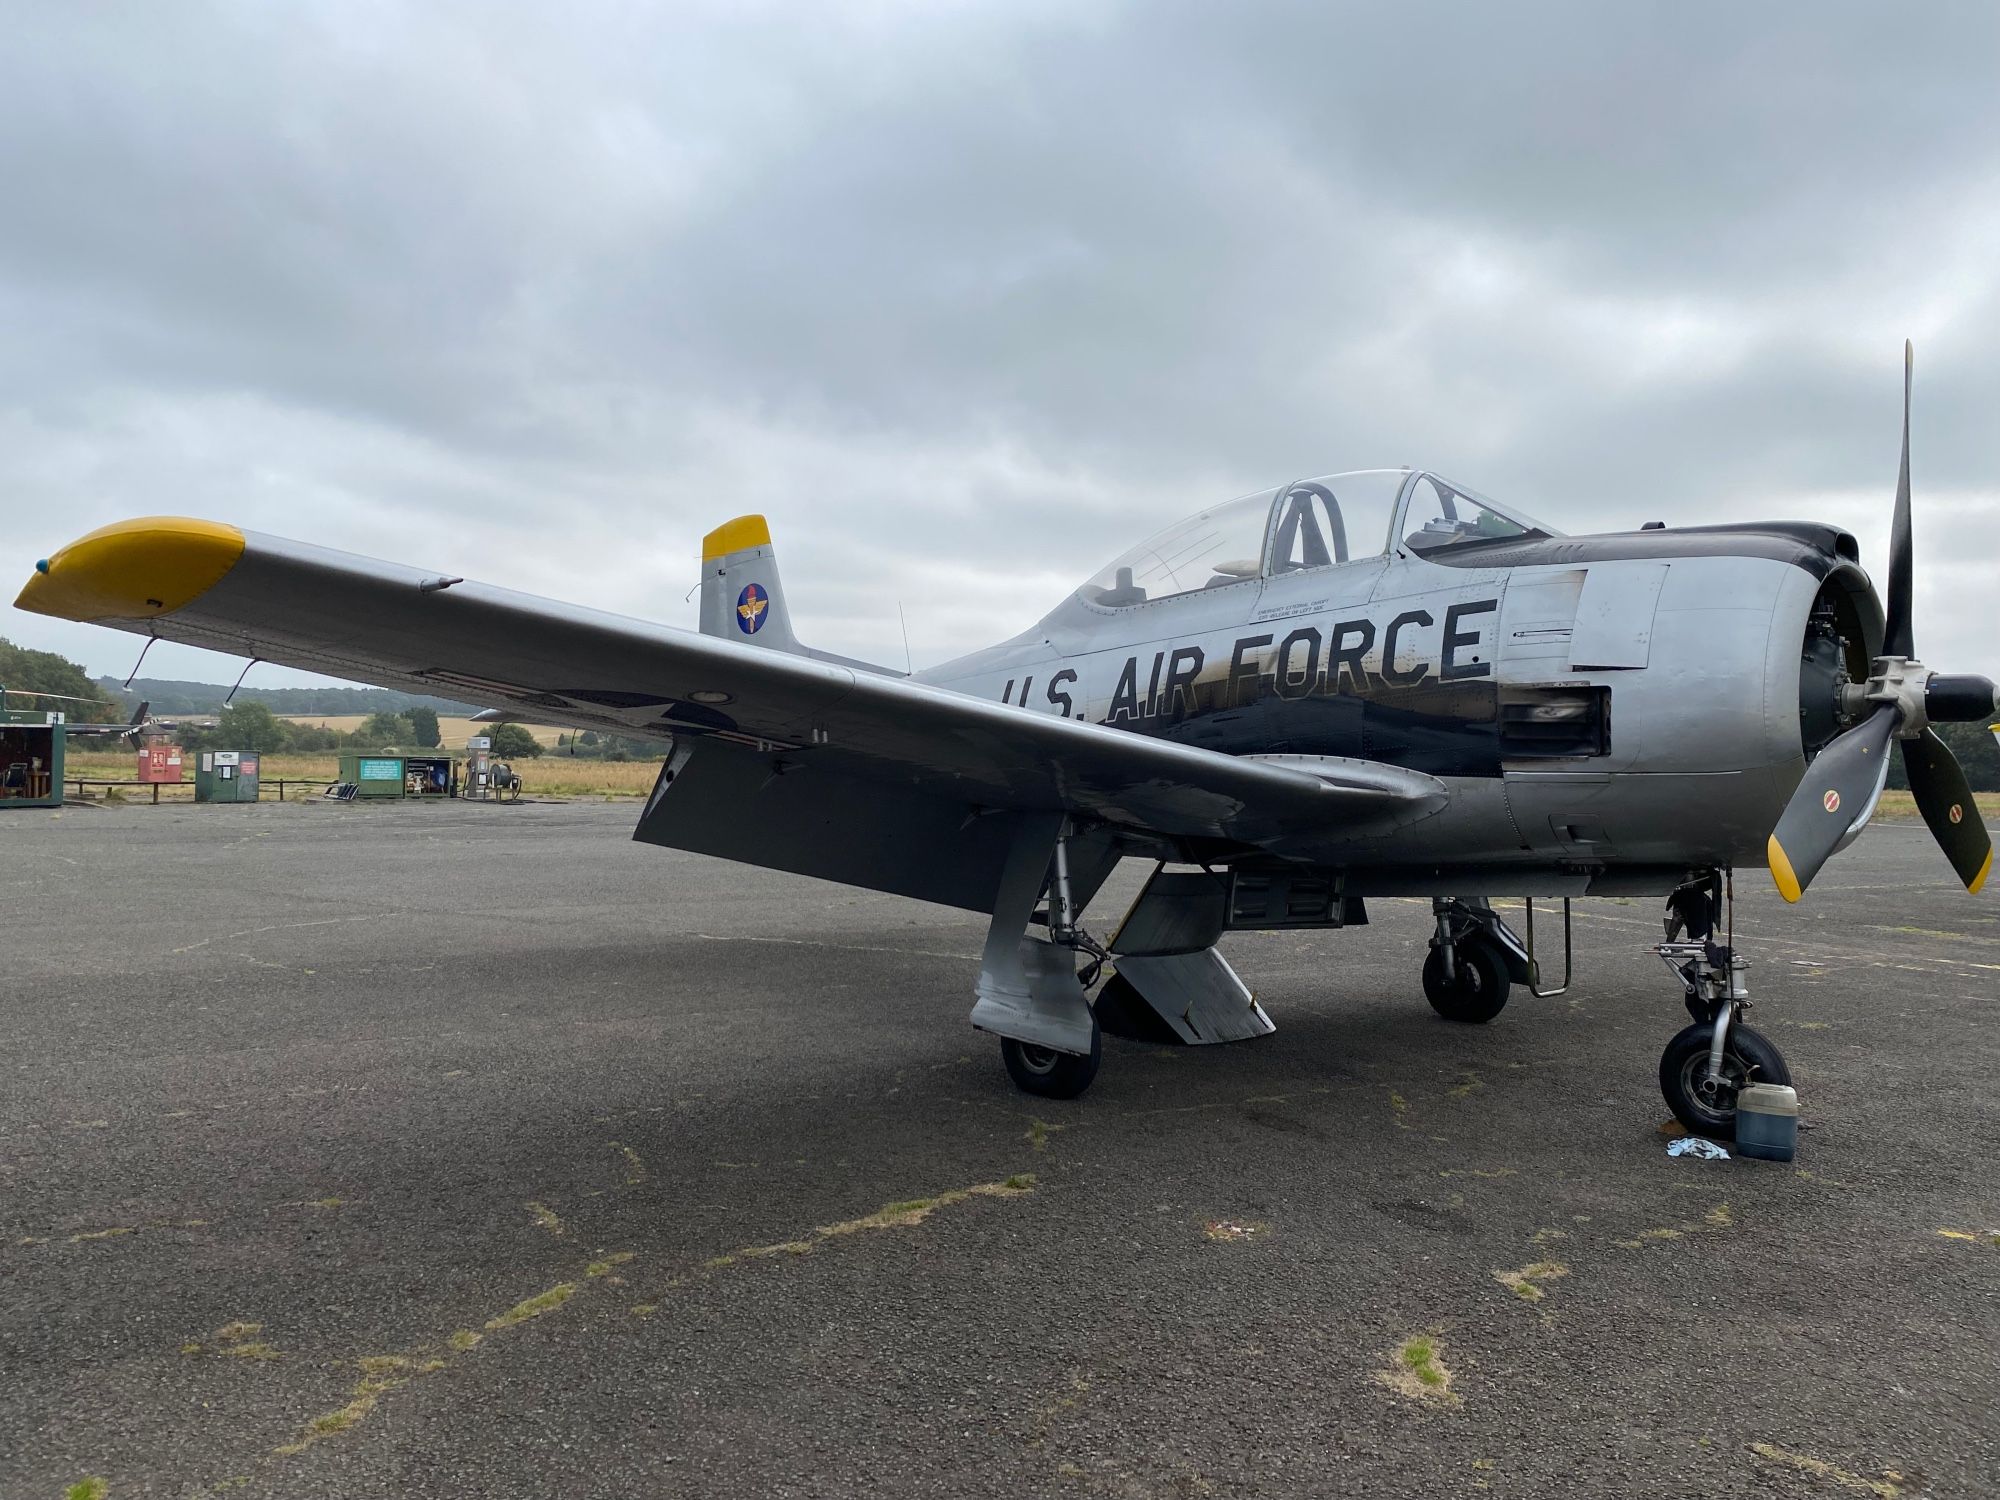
{"points": [[738, 535], [133, 570], [1781, 870]]}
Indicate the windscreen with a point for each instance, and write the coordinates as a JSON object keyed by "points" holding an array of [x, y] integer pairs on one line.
{"points": [[1442, 514]]}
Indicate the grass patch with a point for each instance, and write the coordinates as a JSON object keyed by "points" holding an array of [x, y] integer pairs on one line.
{"points": [[1038, 1133], [534, 1307], [1416, 1369], [463, 1340], [87, 1489], [1886, 1487], [783, 1247], [1419, 1357], [1526, 1283], [1231, 1231], [545, 1218], [605, 1266]]}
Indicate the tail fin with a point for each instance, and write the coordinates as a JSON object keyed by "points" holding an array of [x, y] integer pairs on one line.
{"points": [[742, 598]]}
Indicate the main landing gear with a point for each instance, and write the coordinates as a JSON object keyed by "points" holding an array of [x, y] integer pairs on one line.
{"points": [[1049, 1073], [1474, 958], [1706, 1063], [1172, 985]]}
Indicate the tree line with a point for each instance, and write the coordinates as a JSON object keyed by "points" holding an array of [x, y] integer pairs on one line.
{"points": [[172, 699], [252, 726]]}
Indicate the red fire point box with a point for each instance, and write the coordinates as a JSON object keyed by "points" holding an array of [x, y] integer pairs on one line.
{"points": [[159, 763]]}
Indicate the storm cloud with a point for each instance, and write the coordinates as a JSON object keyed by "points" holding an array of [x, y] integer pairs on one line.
{"points": [[967, 297]]}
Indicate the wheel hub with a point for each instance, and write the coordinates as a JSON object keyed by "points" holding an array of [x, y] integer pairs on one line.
{"points": [[1039, 1059], [1718, 1091]]}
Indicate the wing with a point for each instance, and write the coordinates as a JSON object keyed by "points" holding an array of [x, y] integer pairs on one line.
{"points": [[830, 737]]}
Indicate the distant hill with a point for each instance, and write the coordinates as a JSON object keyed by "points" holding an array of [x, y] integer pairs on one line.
{"points": [[170, 698]]}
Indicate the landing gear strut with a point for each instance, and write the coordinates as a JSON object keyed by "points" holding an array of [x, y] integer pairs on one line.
{"points": [[1708, 1062], [1474, 956]]}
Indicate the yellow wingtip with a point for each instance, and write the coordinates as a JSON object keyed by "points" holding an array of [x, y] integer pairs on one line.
{"points": [[738, 535], [1781, 870], [1972, 886], [133, 570]]}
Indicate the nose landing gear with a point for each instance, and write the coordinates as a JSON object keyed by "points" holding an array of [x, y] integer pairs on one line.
{"points": [[1707, 1063]]}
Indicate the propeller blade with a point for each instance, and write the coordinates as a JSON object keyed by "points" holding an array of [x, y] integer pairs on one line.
{"points": [[1960, 699], [1945, 800], [1896, 639], [1836, 788]]}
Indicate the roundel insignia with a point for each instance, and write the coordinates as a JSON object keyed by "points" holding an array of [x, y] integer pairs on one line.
{"points": [[1957, 812], [1831, 799], [753, 607]]}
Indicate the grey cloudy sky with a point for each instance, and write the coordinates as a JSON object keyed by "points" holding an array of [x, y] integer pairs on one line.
{"points": [[966, 297]]}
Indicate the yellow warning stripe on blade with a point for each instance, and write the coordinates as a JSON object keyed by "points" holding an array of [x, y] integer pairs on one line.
{"points": [[133, 570], [1781, 870], [738, 535]]}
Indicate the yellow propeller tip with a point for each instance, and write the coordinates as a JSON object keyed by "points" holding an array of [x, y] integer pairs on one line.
{"points": [[1781, 870]]}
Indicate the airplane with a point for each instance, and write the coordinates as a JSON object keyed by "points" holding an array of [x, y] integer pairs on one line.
{"points": [[132, 731], [1370, 685], [140, 722]]}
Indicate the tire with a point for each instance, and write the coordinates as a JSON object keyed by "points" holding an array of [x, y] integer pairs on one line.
{"points": [[1052, 1074], [1477, 992], [1748, 1057]]}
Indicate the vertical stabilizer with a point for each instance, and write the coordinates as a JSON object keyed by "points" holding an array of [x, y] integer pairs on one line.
{"points": [[741, 598]]}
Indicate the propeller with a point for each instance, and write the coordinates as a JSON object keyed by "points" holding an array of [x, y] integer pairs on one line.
{"points": [[1842, 782]]}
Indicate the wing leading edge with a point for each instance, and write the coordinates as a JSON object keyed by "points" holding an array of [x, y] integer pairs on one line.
{"points": [[311, 607]]}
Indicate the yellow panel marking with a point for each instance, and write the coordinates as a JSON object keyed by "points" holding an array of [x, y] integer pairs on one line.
{"points": [[134, 570], [739, 535], [1781, 870], [1978, 880]]}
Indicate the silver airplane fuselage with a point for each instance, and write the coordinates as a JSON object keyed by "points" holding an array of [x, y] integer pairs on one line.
{"points": [[1606, 712]]}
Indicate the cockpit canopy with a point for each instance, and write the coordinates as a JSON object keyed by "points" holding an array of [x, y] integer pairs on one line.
{"points": [[1310, 523]]}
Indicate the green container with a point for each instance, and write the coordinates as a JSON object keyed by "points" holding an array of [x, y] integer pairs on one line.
{"points": [[373, 775], [226, 776], [31, 760], [392, 773]]}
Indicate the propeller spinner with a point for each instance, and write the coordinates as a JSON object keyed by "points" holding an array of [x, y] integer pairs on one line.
{"points": [[1842, 781]]}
